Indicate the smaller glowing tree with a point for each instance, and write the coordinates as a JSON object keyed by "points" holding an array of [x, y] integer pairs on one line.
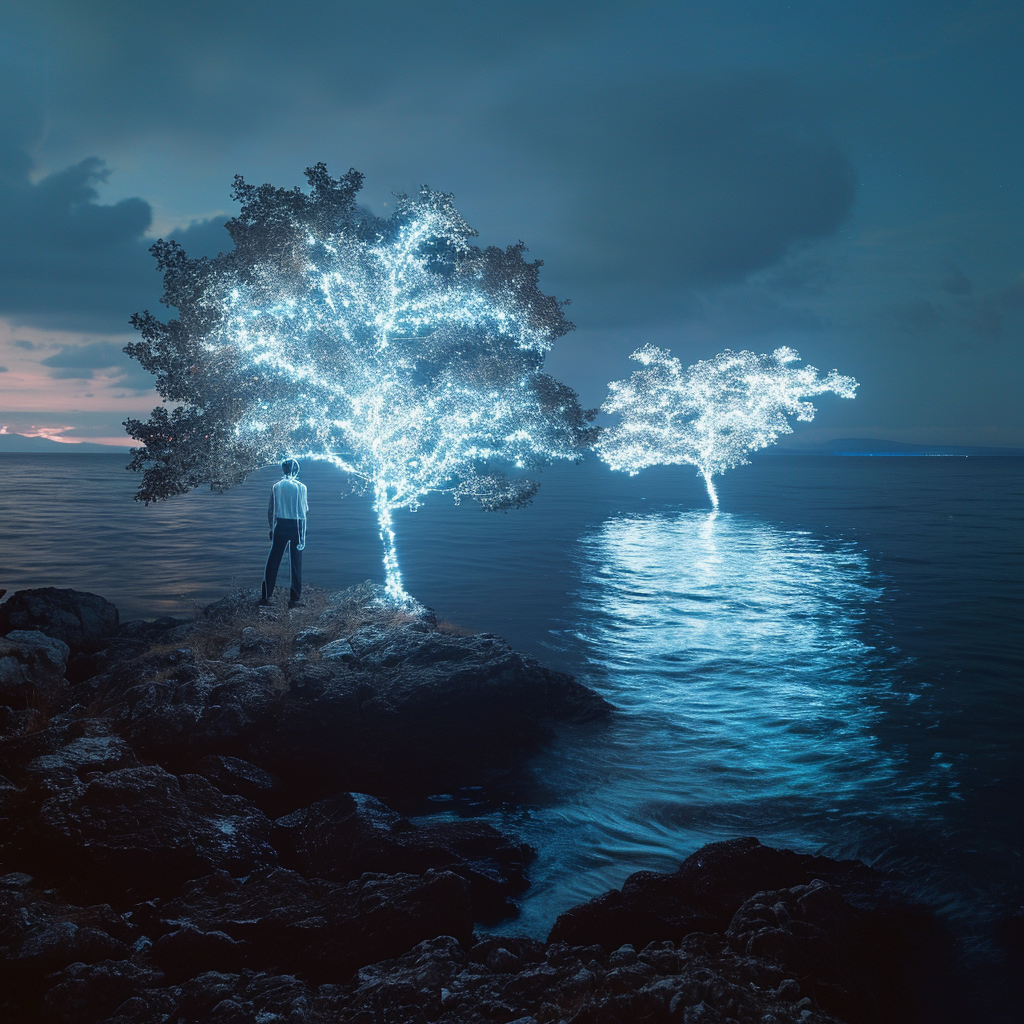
{"points": [[711, 414]]}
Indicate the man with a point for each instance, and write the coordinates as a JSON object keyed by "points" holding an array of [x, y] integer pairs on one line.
{"points": [[286, 514]]}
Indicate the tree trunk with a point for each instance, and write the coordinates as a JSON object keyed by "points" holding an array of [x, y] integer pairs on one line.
{"points": [[392, 574], [709, 484]]}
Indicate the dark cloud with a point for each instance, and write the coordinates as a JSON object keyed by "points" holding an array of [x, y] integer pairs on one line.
{"points": [[919, 316], [67, 260], [956, 282], [684, 182], [80, 362], [197, 71], [3, 369], [809, 275], [23, 343], [203, 237]]}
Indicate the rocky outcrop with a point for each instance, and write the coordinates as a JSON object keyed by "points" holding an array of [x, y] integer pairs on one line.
{"points": [[32, 667], [702, 895], [392, 706], [347, 835], [145, 831], [187, 833], [82, 621], [279, 921]]}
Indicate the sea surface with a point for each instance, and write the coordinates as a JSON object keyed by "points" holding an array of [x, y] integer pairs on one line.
{"points": [[833, 662]]}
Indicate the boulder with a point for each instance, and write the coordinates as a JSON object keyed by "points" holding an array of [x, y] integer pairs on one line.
{"points": [[32, 667], [320, 930], [236, 777], [146, 830], [90, 750], [415, 712], [81, 620], [700, 896], [86, 993], [349, 834], [40, 934], [174, 706]]}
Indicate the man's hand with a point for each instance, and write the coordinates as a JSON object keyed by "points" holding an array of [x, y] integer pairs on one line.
{"points": [[271, 535]]}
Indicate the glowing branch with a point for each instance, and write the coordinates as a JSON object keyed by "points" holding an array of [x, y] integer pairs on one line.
{"points": [[711, 414]]}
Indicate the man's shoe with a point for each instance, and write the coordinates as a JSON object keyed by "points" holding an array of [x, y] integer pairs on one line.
{"points": [[262, 603], [296, 604]]}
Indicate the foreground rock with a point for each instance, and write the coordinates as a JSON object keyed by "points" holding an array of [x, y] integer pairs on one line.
{"points": [[365, 698], [80, 620], [353, 833], [144, 831], [187, 833], [278, 946]]}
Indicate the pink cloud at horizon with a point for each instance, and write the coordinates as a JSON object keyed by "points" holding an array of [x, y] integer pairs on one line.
{"points": [[42, 401]]}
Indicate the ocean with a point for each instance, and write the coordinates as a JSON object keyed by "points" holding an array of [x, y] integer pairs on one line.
{"points": [[832, 662]]}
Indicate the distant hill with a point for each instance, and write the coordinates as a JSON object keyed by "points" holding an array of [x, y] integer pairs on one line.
{"points": [[872, 446], [36, 445]]}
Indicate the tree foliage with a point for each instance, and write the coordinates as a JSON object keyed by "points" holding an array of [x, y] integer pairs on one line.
{"points": [[711, 414]]}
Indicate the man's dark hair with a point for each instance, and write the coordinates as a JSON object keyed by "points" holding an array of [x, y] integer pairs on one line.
{"points": [[290, 467]]}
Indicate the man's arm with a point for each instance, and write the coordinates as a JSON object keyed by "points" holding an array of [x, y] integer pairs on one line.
{"points": [[270, 513]]}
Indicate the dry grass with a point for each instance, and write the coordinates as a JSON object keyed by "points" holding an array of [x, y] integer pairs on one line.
{"points": [[277, 625], [452, 628]]}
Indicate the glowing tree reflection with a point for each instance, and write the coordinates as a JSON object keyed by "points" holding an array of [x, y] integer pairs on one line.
{"points": [[711, 414], [390, 347]]}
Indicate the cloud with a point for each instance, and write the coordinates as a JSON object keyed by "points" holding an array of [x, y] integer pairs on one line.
{"points": [[232, 76], [80, 362], [4, 369], [957, 282], [68, 260], [679, 182], [22, 343]]}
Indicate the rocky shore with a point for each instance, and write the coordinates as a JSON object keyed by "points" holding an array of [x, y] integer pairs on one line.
{"points": [[197, 824]]}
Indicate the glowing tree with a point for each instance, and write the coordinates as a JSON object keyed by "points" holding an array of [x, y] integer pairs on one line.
{"points": [[390, 347], [711, 414]]}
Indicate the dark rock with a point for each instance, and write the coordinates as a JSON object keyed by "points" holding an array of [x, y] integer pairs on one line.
{"points": [[256, 642], [702, 895], [338, 650], [16, 722], [94, 752], [187, 951], [175, 707], [236, 777], [312, 636], [40, 934], [419, 712], [144, 829], [149, 629], [814, 934], [16, 880], [86, 993], [344, 836], [322, 930], [81, 620], [32, 668]]}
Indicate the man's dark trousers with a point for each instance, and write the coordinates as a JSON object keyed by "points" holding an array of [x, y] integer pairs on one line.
{"points": [[286, 533]]}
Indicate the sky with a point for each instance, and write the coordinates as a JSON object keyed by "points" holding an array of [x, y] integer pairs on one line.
{"points": [[844, 179]]}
